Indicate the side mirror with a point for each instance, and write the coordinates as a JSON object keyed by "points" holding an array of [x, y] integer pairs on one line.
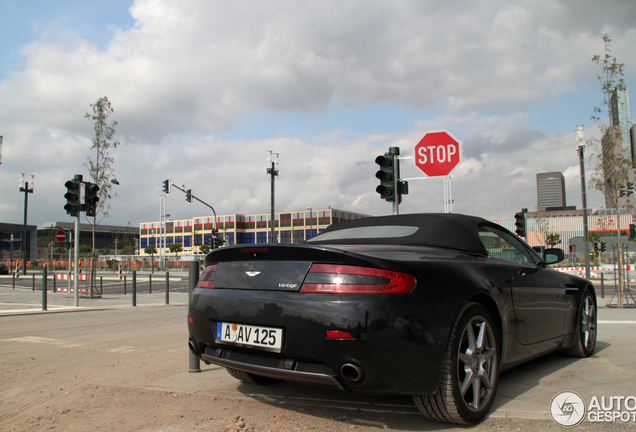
{"points": [[553, 256]]}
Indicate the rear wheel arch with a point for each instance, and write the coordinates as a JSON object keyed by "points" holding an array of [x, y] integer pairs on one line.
{"points": [[491, 306]]}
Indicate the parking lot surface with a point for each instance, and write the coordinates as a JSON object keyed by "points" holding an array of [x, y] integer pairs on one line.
{"points": [[107, 342]]}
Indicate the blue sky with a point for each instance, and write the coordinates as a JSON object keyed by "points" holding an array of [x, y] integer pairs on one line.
{"points": [[202, 88]]}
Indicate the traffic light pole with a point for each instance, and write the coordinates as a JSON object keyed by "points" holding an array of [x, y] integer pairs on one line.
{"points": [[76, 248], [395, 152], [202, 202]]}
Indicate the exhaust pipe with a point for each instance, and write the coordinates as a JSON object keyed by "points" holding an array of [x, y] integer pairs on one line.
{"points": [[351, 372], [193, 349]]}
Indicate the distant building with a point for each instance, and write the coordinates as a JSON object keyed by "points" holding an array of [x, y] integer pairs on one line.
{"points": [[106, 236], [550, 190], [621, 115], [11, 236], [289, 227]]}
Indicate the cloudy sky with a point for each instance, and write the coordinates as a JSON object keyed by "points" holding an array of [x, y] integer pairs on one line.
{"points": [[201, 89]]}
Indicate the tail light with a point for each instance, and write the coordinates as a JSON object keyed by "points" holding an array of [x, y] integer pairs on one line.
{"points": [[342, 279], [206, 280]]}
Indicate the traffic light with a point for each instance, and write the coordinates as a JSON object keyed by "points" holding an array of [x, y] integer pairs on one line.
{"points": [[596, 246], [91, 199], [632, 231], [520, 224], [189, 195], [166, 186], [72, 206], [386, 174], [217, 242], [603, 247]]}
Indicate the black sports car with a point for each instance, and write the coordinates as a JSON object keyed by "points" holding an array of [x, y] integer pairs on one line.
{"points": [[429, 305]]}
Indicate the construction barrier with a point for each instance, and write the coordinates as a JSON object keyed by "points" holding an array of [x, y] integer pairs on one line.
{"points": [[71, 277], [72, 290], [571, 269]]}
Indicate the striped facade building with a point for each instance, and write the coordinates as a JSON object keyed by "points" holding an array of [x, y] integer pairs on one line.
{"points": [[568, 227], [289, 227]]}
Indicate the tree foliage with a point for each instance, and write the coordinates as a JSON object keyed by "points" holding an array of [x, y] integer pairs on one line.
{"points": [[150, 250], [128, 250], [175, 248], [612, 167], [100, 168], [553, 239]]}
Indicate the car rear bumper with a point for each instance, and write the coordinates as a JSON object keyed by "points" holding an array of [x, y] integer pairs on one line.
{"points": [[398, 344]]}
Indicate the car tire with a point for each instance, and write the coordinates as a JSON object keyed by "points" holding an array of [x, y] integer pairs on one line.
{"points": [[585, 337], [251, 378], [471, 371]]}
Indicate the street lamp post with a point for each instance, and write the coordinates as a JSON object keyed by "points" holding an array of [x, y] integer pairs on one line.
{"points": [[580, 139], [311, 223], [272, 170], [27, 189]]}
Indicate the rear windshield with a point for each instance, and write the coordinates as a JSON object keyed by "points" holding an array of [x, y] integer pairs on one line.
{"points": [[367, 232]]}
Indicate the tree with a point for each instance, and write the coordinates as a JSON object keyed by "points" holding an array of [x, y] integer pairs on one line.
{"points": [[204, 248], [104, 251], [175, 248], [100, 169], [128, 250], [611, 173], [151, 250], [553, 239]]}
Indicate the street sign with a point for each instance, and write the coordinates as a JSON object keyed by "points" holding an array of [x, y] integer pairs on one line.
{"points": [[60, 235], [437, 154]]}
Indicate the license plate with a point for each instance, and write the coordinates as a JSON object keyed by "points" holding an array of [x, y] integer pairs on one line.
{"points": [[266, 338]]}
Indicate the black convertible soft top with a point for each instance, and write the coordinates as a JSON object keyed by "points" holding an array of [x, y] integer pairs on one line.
{"points": [[453, 231]]}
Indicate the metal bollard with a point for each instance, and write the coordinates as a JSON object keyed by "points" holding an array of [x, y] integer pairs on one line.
{"points": [[134, 289], [602, 285], [54, 283], [193, 278], [101, 286], [13, 280], [33, 282], [150, 283], [44, 283], [167, 288], [124, 284]]}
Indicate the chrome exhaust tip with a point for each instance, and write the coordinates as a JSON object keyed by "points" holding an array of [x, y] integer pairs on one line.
{"points": [[193, 348], [351, 372]]}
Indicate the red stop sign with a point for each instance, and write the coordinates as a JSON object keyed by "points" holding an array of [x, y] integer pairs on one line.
{"points": [[437, 154], [60, 235]]}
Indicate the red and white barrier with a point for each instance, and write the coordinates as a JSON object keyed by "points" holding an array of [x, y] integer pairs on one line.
{"points": [[17, 269], [71, 290], [71, 277], [571, 269]]}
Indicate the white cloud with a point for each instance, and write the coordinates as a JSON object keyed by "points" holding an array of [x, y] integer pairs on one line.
{"points": [[188, 71]]}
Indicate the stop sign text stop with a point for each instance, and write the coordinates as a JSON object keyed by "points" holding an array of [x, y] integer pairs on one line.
{"points": [[437, 154]]}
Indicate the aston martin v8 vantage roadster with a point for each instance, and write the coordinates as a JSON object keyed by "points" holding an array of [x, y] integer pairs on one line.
{"points": [[428, 305]]}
